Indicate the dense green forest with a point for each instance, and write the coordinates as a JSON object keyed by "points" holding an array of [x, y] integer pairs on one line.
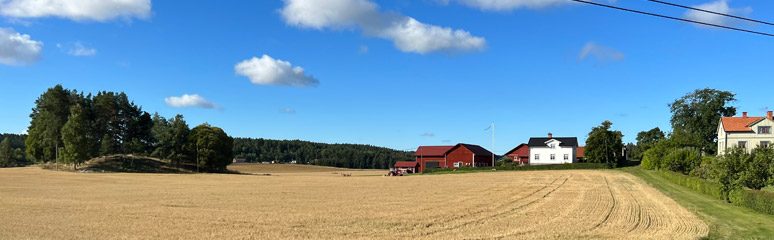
{"points": [[69, 127], [335, 155], [12, 150]]}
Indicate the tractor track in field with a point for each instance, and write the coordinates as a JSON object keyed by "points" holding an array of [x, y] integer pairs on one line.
{"points": [[512, 210], [609, 212]]}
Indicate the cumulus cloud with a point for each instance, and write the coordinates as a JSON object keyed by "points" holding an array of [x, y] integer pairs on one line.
{"points": [[720, 6], [287, 111], [269, 71], [408, 34], [600, 53], [24, 132], [190, 101], [78, 49], [428, 134], [79, 10], [18, 49]]}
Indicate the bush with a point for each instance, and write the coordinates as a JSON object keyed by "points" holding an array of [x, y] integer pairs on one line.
{"points": [[700, 185], [759, 201], [682, 160]]}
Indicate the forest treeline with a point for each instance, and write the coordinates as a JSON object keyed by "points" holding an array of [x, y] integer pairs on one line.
{"points": [[304, 152], [69, 127]]}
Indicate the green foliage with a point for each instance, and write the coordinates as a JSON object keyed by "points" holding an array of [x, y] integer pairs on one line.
{"points": [[76, 144], [727, 169], [603, 145], [178, 133], [7, 155], [646, 140], [762, 202], [682, 160], [51, 111], [699, 112], [704, 186], [213, 148], [334, 155], [757, 168]]}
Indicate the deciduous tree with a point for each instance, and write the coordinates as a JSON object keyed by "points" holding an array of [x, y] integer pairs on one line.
{"points": [[699, 112]]}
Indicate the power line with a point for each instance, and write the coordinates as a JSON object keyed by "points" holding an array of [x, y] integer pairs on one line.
{"points": [[713, 12], [674, 18]]}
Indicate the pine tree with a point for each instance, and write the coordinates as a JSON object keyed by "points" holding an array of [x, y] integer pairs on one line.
{"points": [[76, 143], [7, 155]]}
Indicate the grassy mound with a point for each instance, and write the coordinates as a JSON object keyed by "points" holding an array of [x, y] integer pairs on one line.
{"points": [[134, 164]]}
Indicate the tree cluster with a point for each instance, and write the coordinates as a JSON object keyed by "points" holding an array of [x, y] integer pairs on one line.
{"points": [[335, 155], [604, 145], [12, 150], [70, 127]]}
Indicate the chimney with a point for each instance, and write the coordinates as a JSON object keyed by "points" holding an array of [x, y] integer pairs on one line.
{"points": [[744, 114], [770, 115], [550, 135]]}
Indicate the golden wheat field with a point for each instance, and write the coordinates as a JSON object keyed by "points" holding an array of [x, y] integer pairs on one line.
{"points": [[43, 204]]}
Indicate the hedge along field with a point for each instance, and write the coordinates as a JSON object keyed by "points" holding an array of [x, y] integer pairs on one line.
{"points": [[40, 204], [759, 201]]}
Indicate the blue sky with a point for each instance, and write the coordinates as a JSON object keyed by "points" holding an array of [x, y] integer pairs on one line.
{"points": [[388, 73]]}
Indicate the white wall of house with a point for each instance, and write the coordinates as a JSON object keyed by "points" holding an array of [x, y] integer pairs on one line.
{"points": [[542, 155], [728, 140]]}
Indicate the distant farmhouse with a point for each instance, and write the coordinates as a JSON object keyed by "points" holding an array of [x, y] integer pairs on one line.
{"points": [[745, 132], [452, 156], [519, 154], [552, 150]]}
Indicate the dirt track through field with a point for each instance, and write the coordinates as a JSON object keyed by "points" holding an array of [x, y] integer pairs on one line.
{"points": [[43, 204]]}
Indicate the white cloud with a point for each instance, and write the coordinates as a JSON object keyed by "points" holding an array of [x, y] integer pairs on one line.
{"points": [[24, 132], [408, 34], [79, 10], [720, 6], [79, 50], [18, 49], [287, 111], [190, 101], [269, 71], [599, 52], [428, 134]]}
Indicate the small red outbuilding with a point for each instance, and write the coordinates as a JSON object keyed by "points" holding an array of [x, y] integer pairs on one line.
{"points": [[519, 154], [452, 156]]}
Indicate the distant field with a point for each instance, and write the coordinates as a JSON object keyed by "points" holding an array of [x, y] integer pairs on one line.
{"points": [[42, 204], [299, 169]]}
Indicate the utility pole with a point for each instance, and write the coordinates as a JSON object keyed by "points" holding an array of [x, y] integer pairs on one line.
{"points": [[197, 156]]}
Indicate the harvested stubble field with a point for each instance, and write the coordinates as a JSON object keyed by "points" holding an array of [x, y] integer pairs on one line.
{"points": [[43, 204]]}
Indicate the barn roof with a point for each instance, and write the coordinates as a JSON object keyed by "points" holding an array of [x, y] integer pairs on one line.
{"points": [[521, 150], [739, 124], [476, 149], [432, 150], [565, 141], [405, 164]]}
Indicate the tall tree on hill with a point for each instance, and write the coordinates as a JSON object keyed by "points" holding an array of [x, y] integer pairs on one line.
{"points": [[604, 145], [179, 133], [7, 155], [699, 112], [77, 145], [212, 148], [51, 111], [161, 139]]}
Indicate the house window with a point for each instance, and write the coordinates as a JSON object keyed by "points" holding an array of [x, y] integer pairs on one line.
{"points": [[764, 144], [553, 156], [743, 144], [764, 130], [566, 156], [553, 145], [537, 156], [457, 164]]}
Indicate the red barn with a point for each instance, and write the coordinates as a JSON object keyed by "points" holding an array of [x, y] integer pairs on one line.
{"points": [[579, 154], [519, 154], [452, 156]]}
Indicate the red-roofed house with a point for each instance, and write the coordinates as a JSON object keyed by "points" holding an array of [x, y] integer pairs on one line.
{"points": [[579, 153], [745, 132], [452, 156], [519, 154], [406, 166]]}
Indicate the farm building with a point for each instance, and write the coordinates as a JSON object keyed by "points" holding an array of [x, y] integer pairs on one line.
{"points": [[553, 150], [406, 166], [240, 160], [579, 154], [452, 156], [519, 154]]}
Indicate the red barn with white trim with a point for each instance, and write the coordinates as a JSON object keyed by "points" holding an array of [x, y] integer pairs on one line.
{"points": [[452, 156]]}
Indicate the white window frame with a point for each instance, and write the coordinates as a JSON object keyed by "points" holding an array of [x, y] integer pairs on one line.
{"points": [[767, 143], [553, 156], [537, 156], [743, 144], [768, 130], [566, 156]]}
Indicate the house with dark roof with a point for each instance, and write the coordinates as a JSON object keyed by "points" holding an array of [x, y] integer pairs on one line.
{"points": [[552, 150], [745, 132], [452, 156]]}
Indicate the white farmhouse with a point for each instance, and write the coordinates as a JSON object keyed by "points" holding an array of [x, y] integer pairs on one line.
{"points": [[552, 150], [745, 132]]}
